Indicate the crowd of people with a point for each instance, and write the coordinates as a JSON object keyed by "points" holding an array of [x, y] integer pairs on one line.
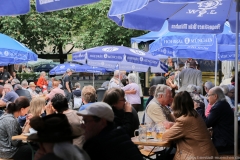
{"points": [[197, 125]]}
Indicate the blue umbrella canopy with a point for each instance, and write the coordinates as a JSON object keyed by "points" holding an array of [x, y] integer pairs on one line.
{"points": [[18, 7], [62, 68], [124, 57], [13, 52]]}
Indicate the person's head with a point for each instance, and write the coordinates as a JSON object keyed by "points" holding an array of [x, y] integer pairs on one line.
{"points": [[14, 73], [1, 69], [118, 74], [96, 117], [172, 75], [59, 103], [7, 87], [191, 88], [69, 71], [183, 105], [19, 108], [52, 128], [77, 85], [208, 85], [225, 89], [17, 86], [231, 92], [15, 81], [32, 86], [36, 106], [55, 83], [170, 60], [163, 94], [215, 94], [115, 98], [199, 89], [43, 74], [132, 78], [152, 90], [192, 64], [25, 84], [88, 94]]}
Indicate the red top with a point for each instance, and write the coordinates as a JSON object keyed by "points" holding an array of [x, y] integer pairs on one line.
{"points": [[41, 82]]}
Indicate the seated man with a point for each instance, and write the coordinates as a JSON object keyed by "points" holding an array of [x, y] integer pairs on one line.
{"points": [[77, 100], [8, 95], [157, 110], [22, 92], [88, 96], [55, 90], [103, 141], [221, 119]]}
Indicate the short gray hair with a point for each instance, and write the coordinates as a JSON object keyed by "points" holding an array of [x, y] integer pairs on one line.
{"points": [[132, 78], [116, 73], [219, 92], [225, 89], [42, 73], [161, 89], [17, 86], [209, 85], [77, 85], [24, 83], [199, 89]]}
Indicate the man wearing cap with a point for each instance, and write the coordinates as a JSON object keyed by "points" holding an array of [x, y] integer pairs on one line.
{"points": [[190, 76], [103, 141], [67, 84], [31, 89], [170, 81]]}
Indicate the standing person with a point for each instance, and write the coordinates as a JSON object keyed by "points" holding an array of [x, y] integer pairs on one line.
{"points": [[15, 76], [9, 126], [194, 141], [42, 82], [67, 84], [5, 77], [103, 140], [170, 81], [132, 92], [189, 61], [190, 76], [115, 82], [158, 79], [124, 114]]}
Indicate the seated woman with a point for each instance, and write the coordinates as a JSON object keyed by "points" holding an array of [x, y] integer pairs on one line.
{"points": [[36, 109], [124, 114], [9, 126], [189, 131]]}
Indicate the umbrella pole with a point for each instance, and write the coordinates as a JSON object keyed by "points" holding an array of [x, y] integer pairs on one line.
{"points": [[216, 60], [236, 81], [93, 80]]}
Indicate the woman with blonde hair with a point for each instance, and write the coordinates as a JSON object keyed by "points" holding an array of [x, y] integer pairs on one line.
{"points": [[36, 109]]}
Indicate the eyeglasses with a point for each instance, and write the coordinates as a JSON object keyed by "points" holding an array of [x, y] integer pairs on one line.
{"points": [[210, 95], [122, 100]]}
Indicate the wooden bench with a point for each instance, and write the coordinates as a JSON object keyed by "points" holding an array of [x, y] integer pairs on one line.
{"points": [[227, 157], [146, 153]]}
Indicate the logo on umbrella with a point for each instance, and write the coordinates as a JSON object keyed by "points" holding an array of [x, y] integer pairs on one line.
{"points": [[6, 53], [72, 65], [105, 55], [141, 59], [187, 40], [137, 52], [133, 67], [110, 49], [62, 67]]}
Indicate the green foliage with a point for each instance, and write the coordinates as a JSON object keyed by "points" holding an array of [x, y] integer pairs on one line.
{"points": [[83, 27], [28, 76]]}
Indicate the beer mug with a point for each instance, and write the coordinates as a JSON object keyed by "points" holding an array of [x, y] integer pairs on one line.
{"points": [[150, 129], [142, 133], [159, 129]]}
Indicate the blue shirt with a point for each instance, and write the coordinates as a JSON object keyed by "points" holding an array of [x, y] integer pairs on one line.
{"points": [[84, 106], [10, 97]]}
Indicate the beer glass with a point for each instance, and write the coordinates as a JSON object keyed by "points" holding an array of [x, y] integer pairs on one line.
{"points": [[142, 133], [159, 129]]}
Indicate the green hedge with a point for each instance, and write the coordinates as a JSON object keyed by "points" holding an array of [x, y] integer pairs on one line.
{"points": [[28, 76]]}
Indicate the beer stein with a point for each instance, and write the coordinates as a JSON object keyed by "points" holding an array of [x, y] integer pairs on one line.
{"points": [[142, 133]]}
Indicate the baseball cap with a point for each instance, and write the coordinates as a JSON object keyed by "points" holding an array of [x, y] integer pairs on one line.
{"points": [[99, 109]]}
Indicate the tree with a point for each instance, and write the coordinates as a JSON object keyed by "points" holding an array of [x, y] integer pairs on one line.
{"points": [[98, 30], [84, 27]]}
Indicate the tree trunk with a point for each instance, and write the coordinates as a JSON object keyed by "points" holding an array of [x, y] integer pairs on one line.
{"points": [[60, 52]]}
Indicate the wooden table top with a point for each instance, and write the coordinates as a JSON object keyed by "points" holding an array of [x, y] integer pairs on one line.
{"points": [[151, 142], [20, 137]]}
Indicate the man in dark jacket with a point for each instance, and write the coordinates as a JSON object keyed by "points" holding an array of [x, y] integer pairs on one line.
{"points": [[103, 141], [221, 119], [22, 92], [158, 79]]}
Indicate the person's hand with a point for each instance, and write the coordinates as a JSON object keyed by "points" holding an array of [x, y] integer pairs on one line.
{"points": [[1, 80], [49, 109], [29, 116], [6, 81], [168, 124], [127, 107]]}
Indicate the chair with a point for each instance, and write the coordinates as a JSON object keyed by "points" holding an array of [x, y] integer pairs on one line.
{"points": [[77, 101], [100, 93]]}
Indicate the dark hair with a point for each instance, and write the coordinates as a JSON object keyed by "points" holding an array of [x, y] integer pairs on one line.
{"points": [[113, 95], [183, 105], [20, 102], [124, 81], [152, 90], [60, 103]]}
